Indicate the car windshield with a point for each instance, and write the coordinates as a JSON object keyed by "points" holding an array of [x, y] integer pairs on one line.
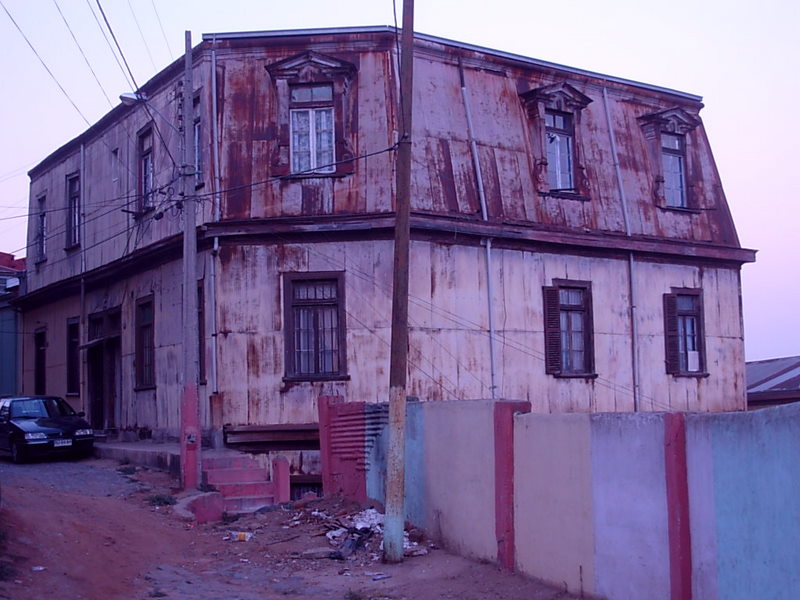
{"points": [[33, 408]]}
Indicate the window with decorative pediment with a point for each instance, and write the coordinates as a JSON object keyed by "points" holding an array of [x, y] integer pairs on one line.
{"points": [[668, 135], [313, 100], [555, 113]]}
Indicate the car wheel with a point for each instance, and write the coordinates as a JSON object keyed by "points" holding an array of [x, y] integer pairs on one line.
{"points": [[16, 453]]}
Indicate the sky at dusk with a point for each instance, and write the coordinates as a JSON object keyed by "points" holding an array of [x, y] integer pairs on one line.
{"points": [[742, 57]]}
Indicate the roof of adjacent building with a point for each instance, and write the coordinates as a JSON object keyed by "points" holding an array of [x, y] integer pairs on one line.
{"points": [[775, 378]]}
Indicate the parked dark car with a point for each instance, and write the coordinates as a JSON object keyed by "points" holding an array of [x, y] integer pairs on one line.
{"points": [[42, 425]]}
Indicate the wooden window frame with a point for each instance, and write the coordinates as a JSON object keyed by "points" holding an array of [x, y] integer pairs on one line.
{"points": [[145, 169], [678, 122], [674, 358], [308, 69], [197, 136], [560, 98], [312, 108], [73, 356], [552, 309], [73, 224], [290, 281], [41, 230], [144, 371]]}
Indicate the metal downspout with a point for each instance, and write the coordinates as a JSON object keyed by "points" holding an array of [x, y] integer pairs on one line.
{"points": [[487, 242], [631, 286], [216, 183], [83, 336]]}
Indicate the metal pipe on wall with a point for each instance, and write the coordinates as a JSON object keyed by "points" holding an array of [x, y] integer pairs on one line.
{"points": [[487, 242], [631, 284], [216, 185]]}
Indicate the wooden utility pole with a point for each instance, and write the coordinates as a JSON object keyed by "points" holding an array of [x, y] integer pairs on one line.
{"points": [[398, 367], [190, 406]]}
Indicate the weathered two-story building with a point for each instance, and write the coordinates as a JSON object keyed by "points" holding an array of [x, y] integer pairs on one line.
{"points": [[571, 241]]}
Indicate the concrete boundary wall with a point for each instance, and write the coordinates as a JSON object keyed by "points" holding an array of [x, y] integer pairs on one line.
{"points": [[620, 506]]}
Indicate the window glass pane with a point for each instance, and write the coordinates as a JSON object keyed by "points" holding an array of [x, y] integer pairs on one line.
{"points": [[322, 93], [571, 296], [324, 136], [670, 141], [687, 303], [301, 140]]}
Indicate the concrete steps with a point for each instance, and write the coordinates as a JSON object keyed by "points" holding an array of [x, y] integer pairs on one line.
{"points": [[244, 484]]}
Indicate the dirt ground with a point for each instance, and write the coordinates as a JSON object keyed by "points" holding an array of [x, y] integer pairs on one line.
{"points": [[93, 529]]}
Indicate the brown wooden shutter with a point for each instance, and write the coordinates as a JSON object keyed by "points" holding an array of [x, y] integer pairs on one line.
{"points": [[589, 326], [552, 331], [671, 348]]}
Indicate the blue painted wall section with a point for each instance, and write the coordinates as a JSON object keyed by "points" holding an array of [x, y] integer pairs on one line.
{"points": [[757, 502]]}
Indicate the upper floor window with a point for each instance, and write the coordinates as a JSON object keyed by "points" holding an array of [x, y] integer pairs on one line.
{"points": [[568, 328], [315, 325], [673, 156], [41, 231], [312, 136], [558, 136], [314, 99], [683, 330], [555, 113], [668, 134], [146, 170], [73, 210], [198, 142]]}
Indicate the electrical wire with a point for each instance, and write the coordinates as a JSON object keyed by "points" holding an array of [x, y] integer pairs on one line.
{"points": [[85, 58], [46, 68], [141, 34], [136, 85], [161, 27], [110, 47]]}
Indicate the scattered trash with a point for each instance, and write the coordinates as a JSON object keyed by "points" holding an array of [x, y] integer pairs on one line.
{"points": [[380, 576], [241, 536], [38, 568], [317, 553]]}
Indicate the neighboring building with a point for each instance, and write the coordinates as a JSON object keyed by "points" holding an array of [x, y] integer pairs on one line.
{"points": [[546, 202], [11, 274], [773, 381]]}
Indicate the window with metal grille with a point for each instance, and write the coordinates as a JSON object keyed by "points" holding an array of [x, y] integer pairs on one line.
{"points": [[568, 328], [559, 139], [145, 343], [312, 128], [683, 332], [315, 325], [73, 211], [674, 160]]}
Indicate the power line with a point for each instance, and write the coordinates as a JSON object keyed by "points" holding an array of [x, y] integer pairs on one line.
{"points": [[136, 85], [163, 34], [88, 64], [108, 42], [41, 60], [141, 34]]}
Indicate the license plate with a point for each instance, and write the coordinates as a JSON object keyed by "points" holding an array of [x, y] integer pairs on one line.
{"points": [[61, 443]]}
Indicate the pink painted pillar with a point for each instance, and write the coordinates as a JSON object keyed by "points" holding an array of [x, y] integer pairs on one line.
{"points": [[280, 479], [680, 543], [504, 479]]}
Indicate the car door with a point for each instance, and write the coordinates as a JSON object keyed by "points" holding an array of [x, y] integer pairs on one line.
{"points": [[5, 425]]}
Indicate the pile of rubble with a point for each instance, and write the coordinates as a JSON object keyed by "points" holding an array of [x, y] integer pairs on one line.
{"points": [[350, 532]]}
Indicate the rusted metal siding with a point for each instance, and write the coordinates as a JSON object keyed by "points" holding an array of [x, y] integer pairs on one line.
{"points": [[449, 347]]}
